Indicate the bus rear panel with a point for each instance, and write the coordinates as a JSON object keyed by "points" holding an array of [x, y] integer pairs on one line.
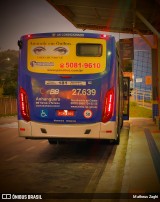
{"points": [[68, 86]]}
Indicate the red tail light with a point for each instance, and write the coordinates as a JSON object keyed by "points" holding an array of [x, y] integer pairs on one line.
{"points": [[24, 106], [108, 106]]}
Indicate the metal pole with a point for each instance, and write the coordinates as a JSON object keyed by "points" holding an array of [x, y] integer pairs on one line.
{"points": [[11, 100], [5, 108], [158, 52], [140, 16]]}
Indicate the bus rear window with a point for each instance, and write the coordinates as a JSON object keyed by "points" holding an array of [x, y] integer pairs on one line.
{"points": [[89, 50]]}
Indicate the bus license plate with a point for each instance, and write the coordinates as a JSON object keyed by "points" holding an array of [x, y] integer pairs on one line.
{"points": [[65, 112]]}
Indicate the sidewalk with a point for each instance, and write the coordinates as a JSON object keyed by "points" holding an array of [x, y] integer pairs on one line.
{"points": [[133, 169], [8, 119], [140, 174]]}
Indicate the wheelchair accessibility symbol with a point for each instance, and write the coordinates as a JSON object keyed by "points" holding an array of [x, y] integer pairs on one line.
{"points": [[44, 113]]}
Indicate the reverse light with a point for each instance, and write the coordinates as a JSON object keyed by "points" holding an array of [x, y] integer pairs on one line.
{"points": [[108, 106], [24, 106]]}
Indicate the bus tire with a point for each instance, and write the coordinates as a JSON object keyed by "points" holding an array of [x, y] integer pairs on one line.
{"points": [[52, 141], [117, 141], [122, 123]]}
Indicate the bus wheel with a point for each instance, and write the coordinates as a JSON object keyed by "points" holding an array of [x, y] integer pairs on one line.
{"points": [[56, 141], [52, 141], [120, 125], [117, 141]]}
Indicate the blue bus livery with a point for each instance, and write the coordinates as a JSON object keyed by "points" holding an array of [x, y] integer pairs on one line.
{"points": [[70, 85]]}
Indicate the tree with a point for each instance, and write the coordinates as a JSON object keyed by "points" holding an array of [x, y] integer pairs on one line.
{"points": [[8, 72], [10, 85]]}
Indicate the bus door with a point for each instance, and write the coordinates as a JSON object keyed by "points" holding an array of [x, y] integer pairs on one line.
{"points": [[126, 95]]}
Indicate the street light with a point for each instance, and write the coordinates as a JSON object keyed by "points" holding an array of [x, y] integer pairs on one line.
{"points": [[6, 59]]}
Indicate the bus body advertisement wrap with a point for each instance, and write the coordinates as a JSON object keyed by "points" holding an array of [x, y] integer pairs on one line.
{"points": [[66, 101], [47, 55], [70, 86]]}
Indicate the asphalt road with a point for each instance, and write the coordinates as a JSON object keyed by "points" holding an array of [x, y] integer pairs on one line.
{"points": [[35, 166], [81, 169]]}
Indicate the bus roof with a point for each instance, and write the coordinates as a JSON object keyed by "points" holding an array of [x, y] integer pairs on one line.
{"points": [[67, 34]]}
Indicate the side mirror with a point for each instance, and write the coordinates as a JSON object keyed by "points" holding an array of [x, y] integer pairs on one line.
{"points": [[20, 44]]}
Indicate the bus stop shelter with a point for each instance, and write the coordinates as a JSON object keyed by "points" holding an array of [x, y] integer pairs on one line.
{"points": [[120, 16]]}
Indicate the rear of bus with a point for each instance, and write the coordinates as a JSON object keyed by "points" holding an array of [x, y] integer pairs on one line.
{"points": [[67, 86]]}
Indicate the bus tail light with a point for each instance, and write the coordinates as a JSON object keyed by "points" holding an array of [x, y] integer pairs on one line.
{"points": [[24, 106], [104, 36], [108, 106]]}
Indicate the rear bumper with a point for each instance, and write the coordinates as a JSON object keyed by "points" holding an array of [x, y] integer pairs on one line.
{"points": [[44, 130]]}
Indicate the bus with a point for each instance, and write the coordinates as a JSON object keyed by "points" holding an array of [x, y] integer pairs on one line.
{"points": [[70, 86]]}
